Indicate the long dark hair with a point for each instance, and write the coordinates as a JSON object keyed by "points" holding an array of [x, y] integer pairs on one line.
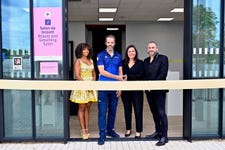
{"points": [[79, 50], [126, 58]]}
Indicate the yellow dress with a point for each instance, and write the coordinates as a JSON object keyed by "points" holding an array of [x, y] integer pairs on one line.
{"points": [[84, 96]]}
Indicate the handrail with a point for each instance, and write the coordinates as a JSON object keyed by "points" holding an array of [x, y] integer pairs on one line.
{"points": [[108, 85]]}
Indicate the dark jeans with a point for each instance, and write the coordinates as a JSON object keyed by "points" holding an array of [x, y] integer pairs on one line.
{"points": [[107, 100], [156, 101], [134, 98]]}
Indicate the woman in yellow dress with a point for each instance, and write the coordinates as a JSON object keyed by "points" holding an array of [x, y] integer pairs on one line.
{"points": [[84, 70]]}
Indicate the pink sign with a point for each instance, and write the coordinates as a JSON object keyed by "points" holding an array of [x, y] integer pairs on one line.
{"points": [[47, 68], [47, 33]]}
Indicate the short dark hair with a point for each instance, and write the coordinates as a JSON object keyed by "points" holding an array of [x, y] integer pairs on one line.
{"points": [[153, 43], [126, 58], [110, 36], [79, 50]]}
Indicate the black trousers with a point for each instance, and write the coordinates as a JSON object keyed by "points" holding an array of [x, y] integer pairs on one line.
{"points": [[157, 101], [134, 98]]}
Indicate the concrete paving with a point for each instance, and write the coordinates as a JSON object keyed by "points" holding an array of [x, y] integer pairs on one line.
{"points": [[118, 145]]}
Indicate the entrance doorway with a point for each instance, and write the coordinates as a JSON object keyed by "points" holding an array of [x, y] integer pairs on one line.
{"points": [[138, 28], [95, 36]]}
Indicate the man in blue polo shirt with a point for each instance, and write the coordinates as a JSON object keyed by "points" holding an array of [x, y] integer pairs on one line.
{"points": [[110, 69]]}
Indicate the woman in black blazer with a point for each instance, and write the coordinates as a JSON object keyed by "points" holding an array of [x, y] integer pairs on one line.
{"points": [[133, 70]]}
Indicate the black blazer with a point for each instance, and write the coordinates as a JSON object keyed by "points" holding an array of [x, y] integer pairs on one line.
{"points": [[157, 69], [136, 72]]}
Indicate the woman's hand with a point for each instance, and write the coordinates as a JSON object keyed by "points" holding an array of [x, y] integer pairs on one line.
{"points": [[125, 77]]}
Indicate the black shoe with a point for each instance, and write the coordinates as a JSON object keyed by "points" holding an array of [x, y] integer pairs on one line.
{"points": [[113, 134], [127, 134], [101, 140], [138, 136], [162, 141], [155, 135]]}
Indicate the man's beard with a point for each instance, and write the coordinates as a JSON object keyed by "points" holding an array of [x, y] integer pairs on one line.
{"points": [[110, 48], [151, 53]]}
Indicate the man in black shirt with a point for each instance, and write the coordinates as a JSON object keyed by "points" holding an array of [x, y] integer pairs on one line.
{"points": [[156, 68]]}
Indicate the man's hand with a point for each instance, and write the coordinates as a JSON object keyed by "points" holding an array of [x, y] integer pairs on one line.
{"points": [[120, 78], [118, 93]]}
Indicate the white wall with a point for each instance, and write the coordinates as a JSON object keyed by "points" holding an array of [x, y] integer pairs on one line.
{"points": [[76, 32]]}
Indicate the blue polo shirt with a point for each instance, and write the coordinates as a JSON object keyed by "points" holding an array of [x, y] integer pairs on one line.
{"points": [[111, 64]]}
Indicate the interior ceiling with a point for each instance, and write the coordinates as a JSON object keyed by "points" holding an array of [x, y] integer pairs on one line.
{"points": [[128, 10]]}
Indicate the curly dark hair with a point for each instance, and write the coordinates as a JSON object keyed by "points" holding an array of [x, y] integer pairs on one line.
{"points": [[79, 50], [126, 58]]}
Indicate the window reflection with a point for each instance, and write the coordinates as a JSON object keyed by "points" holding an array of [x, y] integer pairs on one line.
{"points": [[205, 107], [17, 120], [224, 112], [206, 34], [49, 113], [15, 39], [205, 64]]}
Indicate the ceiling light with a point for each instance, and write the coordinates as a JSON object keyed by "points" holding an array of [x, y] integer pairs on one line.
{"points": [[107, 9], [177, 10], [105, 19], [165, 19], [112, 29]]}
